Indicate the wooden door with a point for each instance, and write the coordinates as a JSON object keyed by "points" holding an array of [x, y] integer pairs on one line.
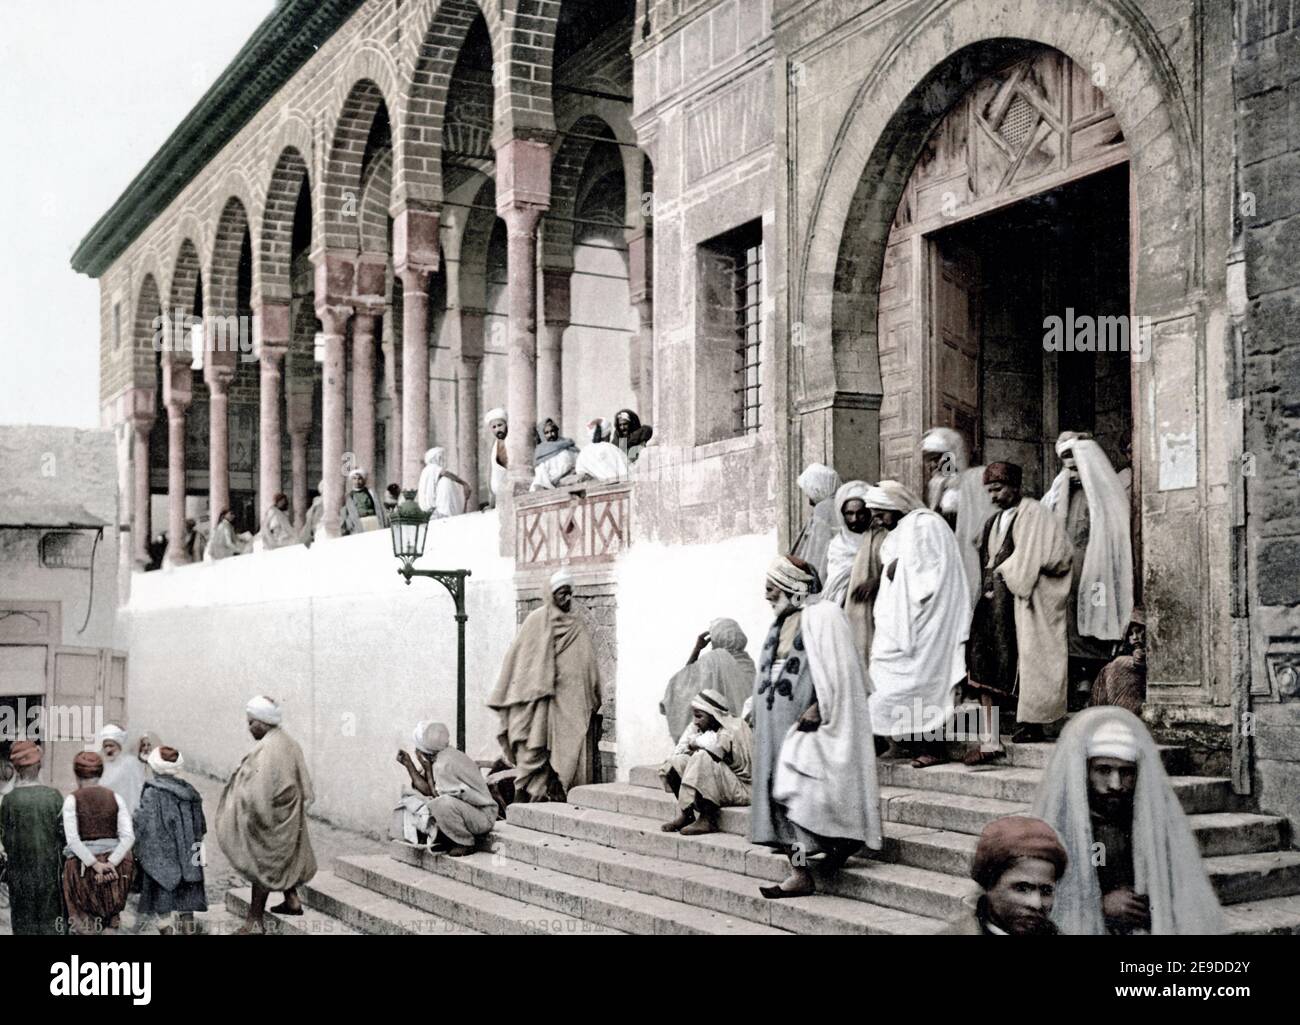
{"points": [[955, 341]]}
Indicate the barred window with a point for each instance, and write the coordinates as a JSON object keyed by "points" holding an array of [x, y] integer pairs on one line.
{"points": [[749, 336], [729, 335]]}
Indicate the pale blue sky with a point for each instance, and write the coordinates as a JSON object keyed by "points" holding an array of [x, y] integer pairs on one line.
{"points": [[89, 89]]}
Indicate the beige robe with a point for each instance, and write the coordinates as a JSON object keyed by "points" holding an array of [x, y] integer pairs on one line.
{"points": [[548, 690], [866, 570], [1038, 574], [262, 817]]}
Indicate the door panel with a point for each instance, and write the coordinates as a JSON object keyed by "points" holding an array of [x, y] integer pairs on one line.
{"points": [[76, 711], [954, 329]]}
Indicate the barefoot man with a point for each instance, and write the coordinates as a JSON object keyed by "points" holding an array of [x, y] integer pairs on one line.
{"points": [[262, 817]]}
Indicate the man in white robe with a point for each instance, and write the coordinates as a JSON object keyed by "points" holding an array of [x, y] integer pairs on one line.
{"points": [[922, 618], [852, 521], [710, 769], [724, 667], [440, 491], [124, 773], [499, 427], [362, 509], [1092, 507], [315, 512], [955, 490], [1106, 793], [601, 461], [448, 802], [277, 529], [819, 483], [226, 541], [554, 457]]}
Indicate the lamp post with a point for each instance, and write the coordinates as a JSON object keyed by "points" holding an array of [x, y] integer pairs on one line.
{"points": [[410, 526]]}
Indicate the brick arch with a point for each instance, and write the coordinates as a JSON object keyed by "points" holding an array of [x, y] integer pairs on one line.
{"points": [[925, 72], [271, 271], [146, 309], [477, 236], [417, 174], [226, 246], [186, 276], [557, 229], [347, 150], [372, 211], [524, 102]]}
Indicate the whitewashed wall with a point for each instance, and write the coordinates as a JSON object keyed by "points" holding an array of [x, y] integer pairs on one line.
{"points": [[353, 654], [666, 597]]}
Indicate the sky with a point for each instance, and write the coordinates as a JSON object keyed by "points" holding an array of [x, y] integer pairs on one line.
{"points": [[89, 90]]}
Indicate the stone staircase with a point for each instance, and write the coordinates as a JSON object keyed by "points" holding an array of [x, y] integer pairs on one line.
{"points": [[600, 865]]}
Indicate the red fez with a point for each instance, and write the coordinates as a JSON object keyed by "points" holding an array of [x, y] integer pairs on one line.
{"points": [[23, 754], [1006, 840], [1002, 473], [87, 765], [168, 754]]}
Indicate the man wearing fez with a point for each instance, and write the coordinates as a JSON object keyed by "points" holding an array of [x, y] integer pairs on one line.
{"points": [[1018, 862], [31, 834]]}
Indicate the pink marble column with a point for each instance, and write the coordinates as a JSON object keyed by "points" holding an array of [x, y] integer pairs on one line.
{"points": [[467, 390], [521, 358], [298, 417], [141, 426], [219, 378], [415, 372], [550, 358], [363, 394], [298, 469], [272, 327], [176, 552], [393, 392], [334, 325], [644, 374]]}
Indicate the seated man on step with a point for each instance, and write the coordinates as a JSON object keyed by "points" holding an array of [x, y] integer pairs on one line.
{"points": [[710, 770], [451, 805]]}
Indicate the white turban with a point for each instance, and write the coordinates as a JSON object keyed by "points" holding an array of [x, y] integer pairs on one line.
{"points": [[161, 766], [495, 414], [1113, 739], [431, 737], [1067, 439], [435, 457], [356, 471], [889, 494], [114, 733], [561, 578], [790, 578], [819, 482], [263, 709]]}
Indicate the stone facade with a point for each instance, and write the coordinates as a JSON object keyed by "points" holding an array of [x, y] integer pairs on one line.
{"points": [[457, 156]]}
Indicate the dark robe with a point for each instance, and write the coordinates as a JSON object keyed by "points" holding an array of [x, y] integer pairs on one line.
{"points": [[1116, 873], [31, 829], [1121, 682], [991, 652], [169, 827]]}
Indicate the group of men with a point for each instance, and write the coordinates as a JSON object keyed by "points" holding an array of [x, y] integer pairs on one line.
{"points": [[132, 825]]}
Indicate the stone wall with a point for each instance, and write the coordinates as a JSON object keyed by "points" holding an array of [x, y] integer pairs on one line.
{"points": [[1266, 88]]}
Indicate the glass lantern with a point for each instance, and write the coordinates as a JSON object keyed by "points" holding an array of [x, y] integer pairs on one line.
{"points": [[410, 525]]}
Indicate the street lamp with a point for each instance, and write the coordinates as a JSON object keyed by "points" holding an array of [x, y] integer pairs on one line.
{"points": [[410, 526]]}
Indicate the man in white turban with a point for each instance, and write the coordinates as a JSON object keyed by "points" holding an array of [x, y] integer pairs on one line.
{"points": [[277, 528], [362, 509], [955, 490], [315, 513], [440, 491], [852, 521], [1105, 793], [262, 816], [548, 695], [124, 773], [499, 427], [1092, 507], [725, 667], [814, 771], [710, 768], [918, 650], [553, 458], [819, 484], [448, 801]]}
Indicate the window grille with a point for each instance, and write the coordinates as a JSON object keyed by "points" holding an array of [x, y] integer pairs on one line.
{"points": [[748, 290]]}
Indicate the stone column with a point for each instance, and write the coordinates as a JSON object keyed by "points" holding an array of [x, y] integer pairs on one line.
{"points": [[556, 307], [218, 379], [177, 394], [467, 390], [334, 325], [363, 394], [141, 426], [271, 332], [298, 417], [523, 195], [415, 258], [640, 261], [393, 391]]}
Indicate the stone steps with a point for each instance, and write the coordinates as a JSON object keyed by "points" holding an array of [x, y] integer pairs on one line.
{"points": [[311, 923], [1277, 916], [371, 912]]}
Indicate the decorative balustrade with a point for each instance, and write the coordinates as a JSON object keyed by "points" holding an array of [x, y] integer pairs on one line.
{"points": [[579, 524]]}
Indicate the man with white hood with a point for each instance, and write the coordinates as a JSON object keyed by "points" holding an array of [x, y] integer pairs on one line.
{"points": [[819, 483], [814, 787], [554, 457], [852, 522], [955, 490], [362, 510], [440, 491], [498, 426], [886, 503], [922, 619], [1092, 507], [124, 773], [448, 802], [1134, 863]]}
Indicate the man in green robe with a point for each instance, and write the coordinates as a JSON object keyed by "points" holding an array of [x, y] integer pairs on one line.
{"points": [[31, 831]]}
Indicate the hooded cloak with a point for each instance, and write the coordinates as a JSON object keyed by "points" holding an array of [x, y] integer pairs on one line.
{"points": [[725, 667], [844, 546]]}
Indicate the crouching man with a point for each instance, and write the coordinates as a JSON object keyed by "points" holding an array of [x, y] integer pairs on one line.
{"points": [[710, 768], [451, 806]]}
